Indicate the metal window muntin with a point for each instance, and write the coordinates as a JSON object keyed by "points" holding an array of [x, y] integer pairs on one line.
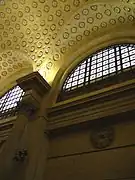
{"points": [[119, 53], [9, 101]]}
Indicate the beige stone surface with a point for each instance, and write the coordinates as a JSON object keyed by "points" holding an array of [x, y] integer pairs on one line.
{"points": [[72, 155], [53, 36]]}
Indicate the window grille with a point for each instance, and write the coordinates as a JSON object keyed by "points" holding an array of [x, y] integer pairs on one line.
{"points": [[107, 62], [9, 102]]}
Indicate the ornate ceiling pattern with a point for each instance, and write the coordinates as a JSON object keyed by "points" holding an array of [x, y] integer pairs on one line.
{"points": [[38, 34], [13, 65]]}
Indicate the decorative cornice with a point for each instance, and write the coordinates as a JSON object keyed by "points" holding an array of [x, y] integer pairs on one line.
{"points": [[106, 103], [35, 88], [34, 81], [104, 91]]}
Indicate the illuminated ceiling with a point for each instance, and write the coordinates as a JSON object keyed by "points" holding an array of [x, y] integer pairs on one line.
{"points": [[41, 34]]}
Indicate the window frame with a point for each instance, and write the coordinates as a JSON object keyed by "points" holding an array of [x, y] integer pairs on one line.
{"points": [[9, 106], [103, 81]]}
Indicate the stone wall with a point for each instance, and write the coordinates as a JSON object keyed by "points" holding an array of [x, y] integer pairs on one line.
{"points": [[74, 156]]}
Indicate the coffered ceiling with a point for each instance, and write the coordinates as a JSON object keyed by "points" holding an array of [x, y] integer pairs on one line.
{"points": [[41, 35]]}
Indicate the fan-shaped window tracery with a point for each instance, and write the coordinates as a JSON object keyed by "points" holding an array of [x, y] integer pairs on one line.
{"points": [[104, 63]]}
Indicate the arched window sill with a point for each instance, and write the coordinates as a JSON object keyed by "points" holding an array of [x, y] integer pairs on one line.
{"points": [[108, 82]]}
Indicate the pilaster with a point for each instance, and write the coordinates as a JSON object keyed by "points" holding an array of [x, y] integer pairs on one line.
{"points": [[24, 154]]}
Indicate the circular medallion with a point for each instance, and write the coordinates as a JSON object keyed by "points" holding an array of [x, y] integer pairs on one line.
{"points": [[102, 137]]}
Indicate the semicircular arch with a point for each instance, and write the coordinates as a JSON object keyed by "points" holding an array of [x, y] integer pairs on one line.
{"points": [[113, 39]]}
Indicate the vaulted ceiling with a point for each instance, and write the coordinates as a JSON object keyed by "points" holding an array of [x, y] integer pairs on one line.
{"points": [[44, 35]]}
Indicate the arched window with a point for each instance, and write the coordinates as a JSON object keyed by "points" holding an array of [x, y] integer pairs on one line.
{"points": [[101, 65], [8, 102]]}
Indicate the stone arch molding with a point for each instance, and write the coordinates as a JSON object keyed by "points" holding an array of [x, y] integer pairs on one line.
{"points": [[94, 20], [87, 24], [47, 34], [93, 27]]}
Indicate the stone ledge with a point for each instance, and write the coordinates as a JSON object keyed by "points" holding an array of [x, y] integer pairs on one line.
{"points": [[108, 103]]}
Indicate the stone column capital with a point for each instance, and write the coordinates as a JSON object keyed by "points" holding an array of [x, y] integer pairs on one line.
{"points": [[35, 88]]}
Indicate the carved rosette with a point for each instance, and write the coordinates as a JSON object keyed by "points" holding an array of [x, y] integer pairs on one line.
{"points": [[102, 137], [20, 155]]}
